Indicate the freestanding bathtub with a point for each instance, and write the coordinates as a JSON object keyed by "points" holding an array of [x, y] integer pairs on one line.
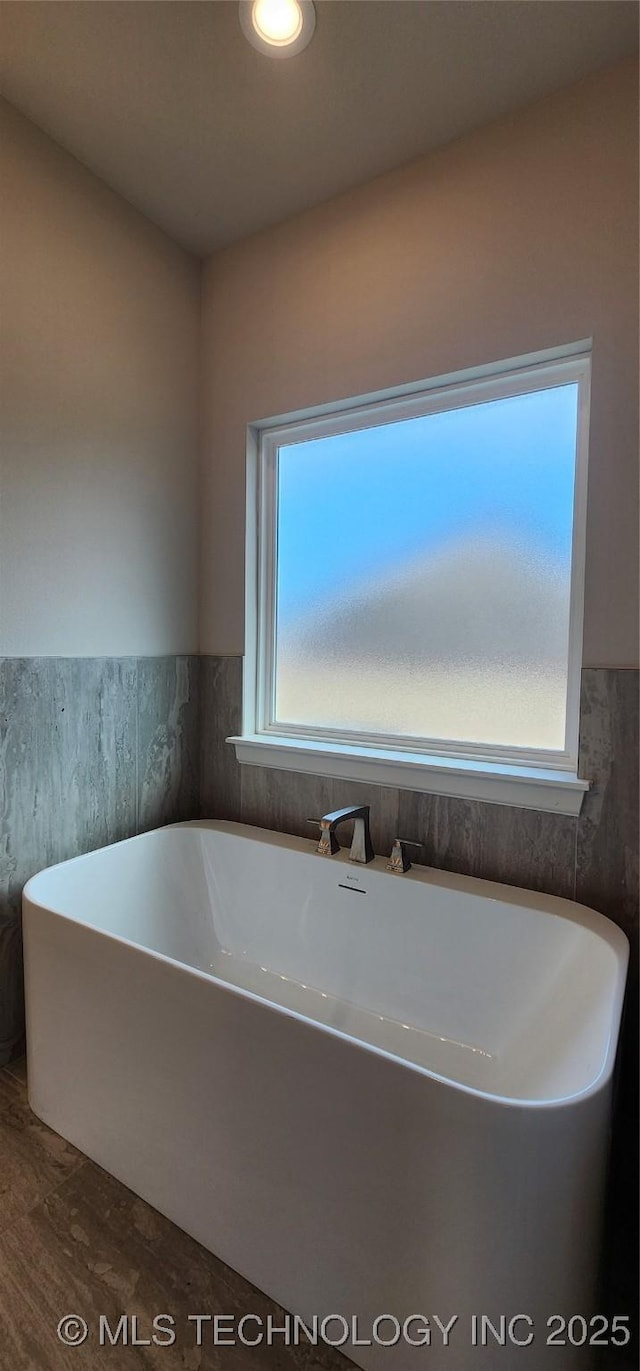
{"points": [[370, 1094]]}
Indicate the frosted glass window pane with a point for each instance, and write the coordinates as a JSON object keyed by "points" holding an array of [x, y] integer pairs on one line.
{"points": [[423, 575]]}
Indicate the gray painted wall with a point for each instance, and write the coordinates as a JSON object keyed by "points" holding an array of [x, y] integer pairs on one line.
{"points": [[99, 351], [520, 237]]}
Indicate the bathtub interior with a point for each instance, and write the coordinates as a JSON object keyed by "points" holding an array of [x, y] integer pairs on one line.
{"points": [[494, 989]]}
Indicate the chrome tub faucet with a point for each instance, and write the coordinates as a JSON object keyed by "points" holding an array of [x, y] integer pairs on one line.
{"points": [[398, 861], [361, 845]]}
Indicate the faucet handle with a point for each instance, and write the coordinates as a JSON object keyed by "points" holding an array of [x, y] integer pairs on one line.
{"points": [[328, 844], [398, 860]]}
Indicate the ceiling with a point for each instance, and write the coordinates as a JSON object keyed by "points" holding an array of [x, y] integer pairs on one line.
{"points": [[169, 104]]}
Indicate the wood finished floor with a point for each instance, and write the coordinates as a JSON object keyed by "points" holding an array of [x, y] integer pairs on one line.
{"points": [[75, 1241]]}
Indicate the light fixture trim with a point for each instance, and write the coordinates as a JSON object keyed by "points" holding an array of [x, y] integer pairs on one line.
{"points": [[274, 47]]}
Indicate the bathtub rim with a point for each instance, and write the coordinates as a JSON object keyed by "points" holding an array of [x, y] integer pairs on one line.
{"points": [[557, 906]]}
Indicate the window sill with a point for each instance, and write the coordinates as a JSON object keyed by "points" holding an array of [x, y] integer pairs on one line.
{"points": [[526, 787]]}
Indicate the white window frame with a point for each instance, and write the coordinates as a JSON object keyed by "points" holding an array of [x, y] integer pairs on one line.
{"points": [[531, 778]]}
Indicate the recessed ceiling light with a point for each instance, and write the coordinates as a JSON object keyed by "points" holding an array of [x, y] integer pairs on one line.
{"points": [[278, 27]]}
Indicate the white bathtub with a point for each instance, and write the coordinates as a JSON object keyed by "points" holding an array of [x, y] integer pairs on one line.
{"points": [[370, 1094]]}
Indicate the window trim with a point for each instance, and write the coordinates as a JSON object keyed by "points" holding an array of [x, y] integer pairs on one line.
{"points": [[540, 779]]}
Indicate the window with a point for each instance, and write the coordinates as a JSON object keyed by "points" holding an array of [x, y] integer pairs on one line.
{"points": [[415, 580]]}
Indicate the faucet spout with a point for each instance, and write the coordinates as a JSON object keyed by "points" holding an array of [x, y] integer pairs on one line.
{"points": [[361, 845]]}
